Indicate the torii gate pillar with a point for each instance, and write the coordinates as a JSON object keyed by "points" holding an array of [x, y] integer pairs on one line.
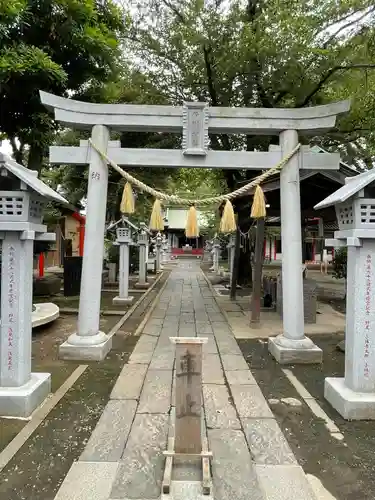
{"points": [[292, 346], [89, 343]]}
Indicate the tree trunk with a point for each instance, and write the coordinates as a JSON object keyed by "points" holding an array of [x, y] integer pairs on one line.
{"points": [[236, 264], [245, 276], [35, 160], [17, 152]]}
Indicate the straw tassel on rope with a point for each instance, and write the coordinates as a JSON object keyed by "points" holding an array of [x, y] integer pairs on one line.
{"points": [[228, 219], [127, 201], [192, 229], [156, 219], [258, 209]]}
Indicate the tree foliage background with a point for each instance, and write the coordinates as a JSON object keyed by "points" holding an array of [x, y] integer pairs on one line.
{"points": [[61, 46]]}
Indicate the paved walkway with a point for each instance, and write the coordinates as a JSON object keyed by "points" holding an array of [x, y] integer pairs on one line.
{"points": [[123, 459]]}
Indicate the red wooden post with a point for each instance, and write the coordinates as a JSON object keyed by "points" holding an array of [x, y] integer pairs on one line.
{"points": [[81, 239], [82, 221], [41, 265]]}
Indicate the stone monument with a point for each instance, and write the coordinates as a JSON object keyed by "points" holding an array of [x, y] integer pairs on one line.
{"points": [[22, 199], [310, 298], [230, 247], [354, 395], [123, 239], [215, 255]]}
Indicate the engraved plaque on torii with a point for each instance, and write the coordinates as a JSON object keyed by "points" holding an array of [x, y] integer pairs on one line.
{"points": [[195, 129]]}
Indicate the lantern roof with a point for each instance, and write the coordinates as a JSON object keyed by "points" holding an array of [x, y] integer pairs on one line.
{"points": [[30, 178], [353, 186]]}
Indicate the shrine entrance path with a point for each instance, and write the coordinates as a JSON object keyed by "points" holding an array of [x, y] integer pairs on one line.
{"points": [[123, 458]]}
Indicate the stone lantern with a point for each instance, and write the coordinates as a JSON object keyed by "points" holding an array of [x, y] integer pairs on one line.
{"points": [[143, 227], [123, 239], [354, 395], [22, 200], [143, 253]]}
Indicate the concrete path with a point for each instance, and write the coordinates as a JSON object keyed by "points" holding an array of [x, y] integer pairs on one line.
{"points": [[123, 459], [328, 321]]}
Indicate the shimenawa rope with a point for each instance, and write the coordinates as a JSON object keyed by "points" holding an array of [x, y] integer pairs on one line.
{"points": [[205, 201]]}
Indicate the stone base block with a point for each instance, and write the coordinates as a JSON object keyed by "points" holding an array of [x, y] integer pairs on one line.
{"points": [[119, 301], [22, 401], [81, 349], [351, 405], [142, 286], [299, 354]]}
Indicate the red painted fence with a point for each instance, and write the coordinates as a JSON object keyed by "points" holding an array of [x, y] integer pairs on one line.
{"points": [[181, 251]]}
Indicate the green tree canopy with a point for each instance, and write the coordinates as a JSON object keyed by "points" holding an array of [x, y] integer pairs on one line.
{"points": [[260, 53], [60, 46]]}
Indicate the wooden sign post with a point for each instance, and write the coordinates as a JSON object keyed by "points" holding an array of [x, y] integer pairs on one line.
{"points": [[188, 440]]}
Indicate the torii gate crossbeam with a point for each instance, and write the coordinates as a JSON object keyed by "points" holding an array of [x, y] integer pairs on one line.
{"points": [[195, 121]]}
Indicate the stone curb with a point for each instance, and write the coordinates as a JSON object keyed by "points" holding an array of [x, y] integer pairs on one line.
{"points": [[119, 324], [213, 291], [152, 307]]}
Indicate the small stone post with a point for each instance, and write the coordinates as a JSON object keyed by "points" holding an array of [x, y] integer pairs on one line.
{"points": [[164, 254], [143, 227], [215, 254], [230, 247], [142, 243], [112, 272], [158, 252], [188, 434], [123, 239]]}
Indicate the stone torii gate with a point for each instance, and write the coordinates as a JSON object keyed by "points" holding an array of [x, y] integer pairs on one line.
{"points": [[195, 120]]}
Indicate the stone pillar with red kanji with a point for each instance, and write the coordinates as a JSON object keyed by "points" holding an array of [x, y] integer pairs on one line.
{"points": [[360, 321], [22, 200]]}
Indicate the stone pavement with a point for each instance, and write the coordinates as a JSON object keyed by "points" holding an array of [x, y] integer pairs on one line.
{"points": [[123, 459], [328, 321]]}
